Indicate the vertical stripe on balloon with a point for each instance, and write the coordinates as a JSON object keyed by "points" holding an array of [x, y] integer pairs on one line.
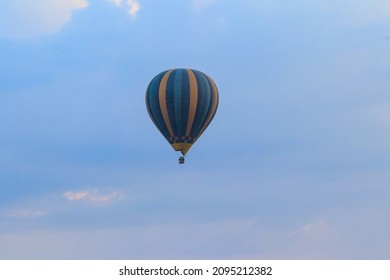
{"points": [[153, 105], [163, 102], [193, 101], [214, 105]]}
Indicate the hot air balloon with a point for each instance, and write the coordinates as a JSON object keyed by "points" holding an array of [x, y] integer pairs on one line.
{"points": [[181, 103]]}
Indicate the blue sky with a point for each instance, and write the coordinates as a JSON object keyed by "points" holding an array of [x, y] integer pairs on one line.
{"points": [[295, 164]]}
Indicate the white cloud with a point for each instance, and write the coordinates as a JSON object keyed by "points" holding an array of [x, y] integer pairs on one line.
{"points": [[347, 12], [117, 2], [29, 18], [200, 5], [25, 213], [134, 7], [317, 229], [76, 195], [93, 196], [307, 241], [358, 12]]}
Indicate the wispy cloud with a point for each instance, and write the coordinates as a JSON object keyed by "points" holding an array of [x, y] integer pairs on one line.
{"points": [[200, 5], [25, 213], [93, 196], [117, 2], [29, 18], [134, 7], [315, 229], [76, 195], [347, 12]]}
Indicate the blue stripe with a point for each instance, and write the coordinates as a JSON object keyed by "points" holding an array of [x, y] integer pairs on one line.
{"points": [[170, 100], [214, 96], [185, 101], [178, 82], [154, 104], [204, 104]]}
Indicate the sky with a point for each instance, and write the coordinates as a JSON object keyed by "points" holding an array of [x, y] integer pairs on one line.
{"points": [[295, 164]]}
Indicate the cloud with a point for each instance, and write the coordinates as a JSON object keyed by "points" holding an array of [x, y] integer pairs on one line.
{"points": [[314, 230], [200, 5], [366, 12], [93, 196], [30, 18], [307, 241], [134, 7], [117, 2], [347, 12], [151, 241], [25, 214], [76, 195]]}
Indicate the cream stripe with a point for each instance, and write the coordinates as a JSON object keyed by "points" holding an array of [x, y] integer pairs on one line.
{"points": [[162, 97], [193, 101], [213, 108]]}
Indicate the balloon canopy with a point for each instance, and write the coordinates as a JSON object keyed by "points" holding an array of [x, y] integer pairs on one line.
{"points": [[181, 103]]}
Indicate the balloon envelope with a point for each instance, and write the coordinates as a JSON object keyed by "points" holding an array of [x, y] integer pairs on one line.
{"points": [[181, 103]]}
